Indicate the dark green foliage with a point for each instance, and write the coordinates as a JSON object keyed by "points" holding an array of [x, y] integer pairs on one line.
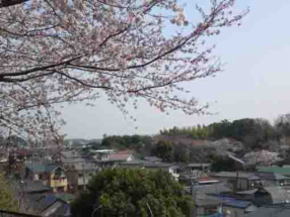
{"points": [[132, 192], [252, 132], [223, 164], [171, 152], [179, 144], [198, 132], [126, 142], [181, 153], [7, 200], [220, 130], [164, 150], [282, 125]]}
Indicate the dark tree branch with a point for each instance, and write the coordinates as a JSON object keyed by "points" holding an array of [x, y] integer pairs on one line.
{"points": [[79, 81], [36, 69], [7, 3]]}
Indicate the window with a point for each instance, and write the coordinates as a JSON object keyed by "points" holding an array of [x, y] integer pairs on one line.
{"points": [[58, 173]]}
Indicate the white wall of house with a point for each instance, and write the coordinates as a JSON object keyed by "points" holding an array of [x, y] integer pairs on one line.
{"points": [[173, 172]]}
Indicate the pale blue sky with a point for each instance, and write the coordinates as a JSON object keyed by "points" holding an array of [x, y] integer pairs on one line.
{"points": [[255, 81]]}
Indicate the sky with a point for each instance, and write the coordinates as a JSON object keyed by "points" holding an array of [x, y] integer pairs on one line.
{"points": [[255, 82]]}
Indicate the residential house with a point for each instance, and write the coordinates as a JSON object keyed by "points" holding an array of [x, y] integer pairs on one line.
{"points": [[285, 170], [68, 155], [26, 188], [47, 205], [206, 197], [231, 207], [272, 195], [49, 173], [273, 179], [213, 198], [115, 158], [198, 167], [34, 187], [79, 174], [278, 210], [173, 169], [190, 172], [102, 154], [238, 181], [265, 195], [78, 169]]}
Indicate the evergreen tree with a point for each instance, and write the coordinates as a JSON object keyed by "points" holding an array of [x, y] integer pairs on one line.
{"points": [[132, 192]]}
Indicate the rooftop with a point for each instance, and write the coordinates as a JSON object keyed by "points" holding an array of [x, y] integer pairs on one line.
{"points": [[203, 180], [278, 194], [245, 175], [65, 196], [213, 189], [48, 203], [271, 176], [279, 210], [242, 204], [119, 156], [275, 169], [198, 165], [29, 186], [148, 164], [41, 167]]}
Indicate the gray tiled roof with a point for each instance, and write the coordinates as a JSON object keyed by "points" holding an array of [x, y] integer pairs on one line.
{"points": [[148, 164], [245, 175], [29, 186], [81, 164], [211, 189], [46, 203]]}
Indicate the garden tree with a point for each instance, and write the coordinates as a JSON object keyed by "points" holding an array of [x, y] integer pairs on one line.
{"points": [[164, 150], [181, 153], [223, 164], [56, 51], [132, 192], [7, 200]]}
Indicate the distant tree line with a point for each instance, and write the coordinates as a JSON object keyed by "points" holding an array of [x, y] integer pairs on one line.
{"points": [[252, 132], [179, 144], [141, 144]]}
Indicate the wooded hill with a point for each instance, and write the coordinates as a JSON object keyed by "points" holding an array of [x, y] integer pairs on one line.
{"points": [[207, 143]]}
